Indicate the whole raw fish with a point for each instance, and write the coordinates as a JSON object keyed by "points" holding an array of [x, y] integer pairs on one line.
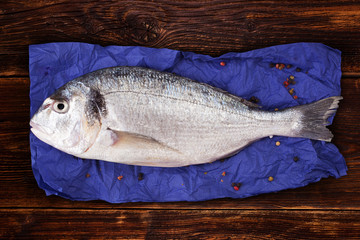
{"points": [[141, 116]]}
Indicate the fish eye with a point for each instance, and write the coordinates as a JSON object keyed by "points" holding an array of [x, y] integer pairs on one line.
{"points": [[60, 106]]}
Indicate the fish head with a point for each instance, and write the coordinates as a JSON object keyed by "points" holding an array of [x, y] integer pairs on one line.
{"points": [[65, 121]]}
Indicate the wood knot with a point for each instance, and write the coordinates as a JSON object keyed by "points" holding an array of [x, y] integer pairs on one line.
{"points": [[29, 220], [141, 27], [250, 26]]}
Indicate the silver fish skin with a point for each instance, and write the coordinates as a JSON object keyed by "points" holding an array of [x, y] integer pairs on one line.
{"points": [[140, 116]]}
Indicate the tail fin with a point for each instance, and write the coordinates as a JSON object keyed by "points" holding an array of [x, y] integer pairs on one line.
{"points": [[314, 118]]}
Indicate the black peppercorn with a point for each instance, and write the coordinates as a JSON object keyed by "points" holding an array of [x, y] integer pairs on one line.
{"points": [[254, 99]]}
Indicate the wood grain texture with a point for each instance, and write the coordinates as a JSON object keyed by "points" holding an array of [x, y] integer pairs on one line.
{"points": [[175, 224], [328, 209], [207, 27]]}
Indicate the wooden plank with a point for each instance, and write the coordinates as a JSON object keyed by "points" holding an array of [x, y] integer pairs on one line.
{"points": [[329, 209], [207, 27], [19, 189], [178, 224]]}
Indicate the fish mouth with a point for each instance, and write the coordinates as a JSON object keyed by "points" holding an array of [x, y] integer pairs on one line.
{"points": [[40, 133], [36, 126], [38, 130]]}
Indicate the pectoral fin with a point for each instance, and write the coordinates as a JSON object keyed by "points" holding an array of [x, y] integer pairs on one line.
{"points": [[118, 138], [142, 150]]}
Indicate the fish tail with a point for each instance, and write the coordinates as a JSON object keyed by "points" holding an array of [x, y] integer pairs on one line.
{"points": [[314, 118]]}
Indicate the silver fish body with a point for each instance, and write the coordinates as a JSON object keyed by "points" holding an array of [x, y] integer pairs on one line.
{"points": [[141, 116]]}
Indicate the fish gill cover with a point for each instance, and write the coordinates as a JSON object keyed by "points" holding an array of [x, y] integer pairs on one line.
{"points": [[274, 77]]}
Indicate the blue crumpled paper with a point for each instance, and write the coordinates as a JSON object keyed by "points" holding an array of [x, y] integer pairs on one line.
{"points": [[244, 74]]}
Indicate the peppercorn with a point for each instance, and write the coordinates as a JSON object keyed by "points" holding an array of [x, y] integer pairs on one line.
{"points": [[298, 69], [288, 66], [87, 175], [140, 176], [296, 158], [271, 65], [254, 99]]}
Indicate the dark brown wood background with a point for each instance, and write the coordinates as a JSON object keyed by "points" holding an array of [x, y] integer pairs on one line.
{"points": [[328, 209]]}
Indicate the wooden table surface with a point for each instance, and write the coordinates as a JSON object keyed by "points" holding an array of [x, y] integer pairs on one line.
{"points": [[327, 209]]}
